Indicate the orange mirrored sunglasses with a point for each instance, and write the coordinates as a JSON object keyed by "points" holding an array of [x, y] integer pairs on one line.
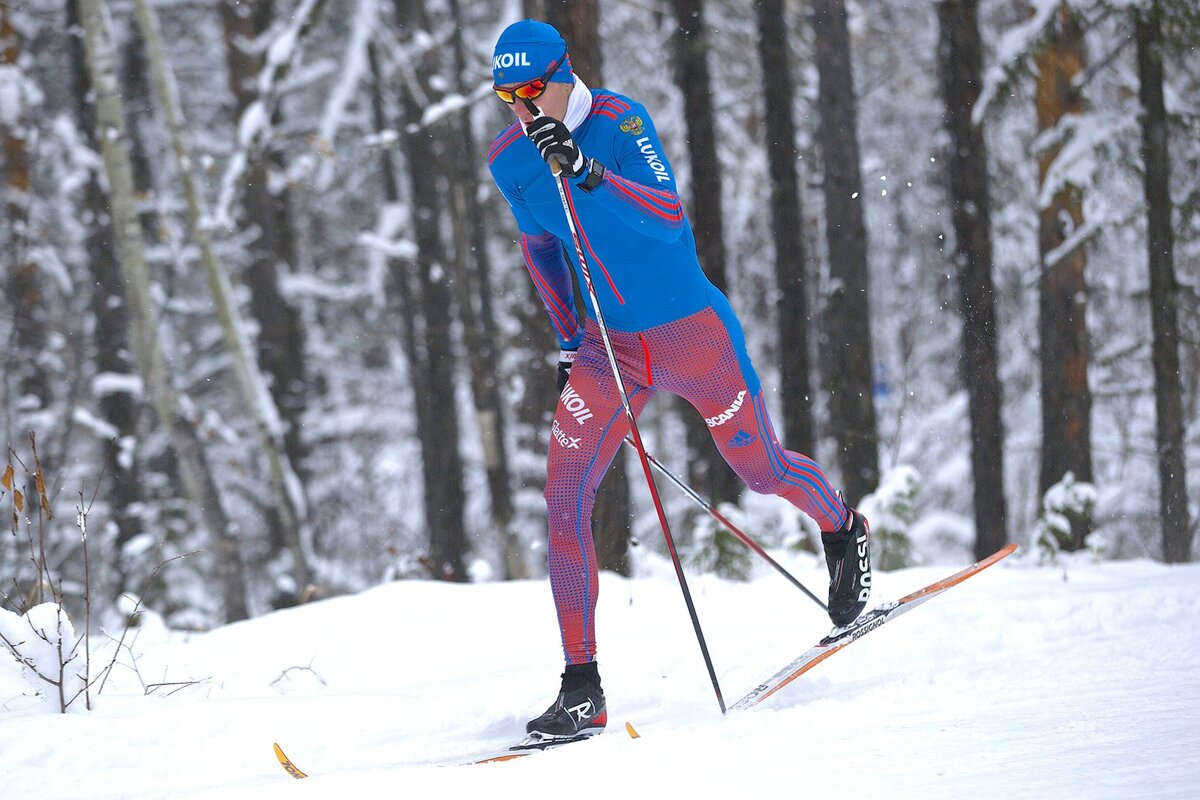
{"points": [[530, 90]]}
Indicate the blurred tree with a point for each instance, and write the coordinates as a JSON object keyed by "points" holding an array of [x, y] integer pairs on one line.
{"points": [[23, 285], [272, 254], [846, 318], [431, 345], [286, 502], [473, 273], [707, 470], [960, 57], [787, 226], [191, 458], [1066, 397], [119, 405], [139, 122], [1164, 289]]}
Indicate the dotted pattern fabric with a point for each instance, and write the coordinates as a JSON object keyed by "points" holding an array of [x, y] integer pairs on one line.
{"points": [[700, 359]]}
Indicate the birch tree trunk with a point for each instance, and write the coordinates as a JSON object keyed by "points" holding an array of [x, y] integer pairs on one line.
{"points": [[1164, 289], [787, 226], [707, 469], [960, 56], [269, 428], [1066, 396], [192, 460], [847, 314]]}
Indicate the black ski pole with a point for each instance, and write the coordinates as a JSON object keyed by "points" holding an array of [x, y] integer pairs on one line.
{"points": [[742, 537], [561, 182]]}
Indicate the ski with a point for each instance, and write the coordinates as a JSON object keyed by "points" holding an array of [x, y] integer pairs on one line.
{"points": [[530, 745], [286, 763], [527, 747], [876, 617]]}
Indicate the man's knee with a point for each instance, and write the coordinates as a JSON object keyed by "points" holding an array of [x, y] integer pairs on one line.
{"points": [[753, 467], [762, 482], [566, 497]]}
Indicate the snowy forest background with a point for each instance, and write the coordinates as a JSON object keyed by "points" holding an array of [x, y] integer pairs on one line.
{"points": [[323, 366]]}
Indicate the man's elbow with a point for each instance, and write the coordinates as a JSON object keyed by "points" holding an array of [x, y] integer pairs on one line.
{"points": [[667, 233]]}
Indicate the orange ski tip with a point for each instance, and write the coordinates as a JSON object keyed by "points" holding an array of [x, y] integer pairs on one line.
{"points": [[500, 758], [287, 764], [633, 734]]}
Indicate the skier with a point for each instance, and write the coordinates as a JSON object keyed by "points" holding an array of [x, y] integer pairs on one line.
{"points": [[670, 328]]}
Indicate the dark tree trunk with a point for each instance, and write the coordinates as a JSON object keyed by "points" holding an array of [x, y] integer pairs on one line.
{"points": [[960, 56], [1066, 398], [118, 407], [579, 23], [846, 316], [612, 519], [1164, 290], [281, 337], [473, 271], [787, 226], [434, 368], [708, 472], [401, 271], [139, 115]]}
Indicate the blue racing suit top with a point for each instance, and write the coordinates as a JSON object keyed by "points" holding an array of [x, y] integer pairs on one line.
{"points": [[638, 243]]}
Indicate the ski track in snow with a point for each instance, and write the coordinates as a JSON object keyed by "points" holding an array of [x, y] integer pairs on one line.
{"points": [[1022, 682]]}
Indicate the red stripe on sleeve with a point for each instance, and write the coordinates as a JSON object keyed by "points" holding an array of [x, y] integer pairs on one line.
{"points": [[503, 141], [672, 213]]}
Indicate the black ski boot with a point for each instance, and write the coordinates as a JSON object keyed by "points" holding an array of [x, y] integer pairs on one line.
{"points": [[848, 556], [579, 709]]}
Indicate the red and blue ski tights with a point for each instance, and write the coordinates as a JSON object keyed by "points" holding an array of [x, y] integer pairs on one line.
{"points": [[701, 358]]}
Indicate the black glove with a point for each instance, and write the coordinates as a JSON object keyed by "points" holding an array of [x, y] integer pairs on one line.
{"points": [[565, 359], [553, 140]]}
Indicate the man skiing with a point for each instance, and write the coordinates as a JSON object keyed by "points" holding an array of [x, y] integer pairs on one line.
{"points": [[670, 328]]}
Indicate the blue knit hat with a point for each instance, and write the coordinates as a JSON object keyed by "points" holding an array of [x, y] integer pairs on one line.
{"points": [[526, 50]]}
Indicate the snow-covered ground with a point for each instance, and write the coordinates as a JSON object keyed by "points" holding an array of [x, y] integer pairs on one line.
{"points": [[1057, 682]]}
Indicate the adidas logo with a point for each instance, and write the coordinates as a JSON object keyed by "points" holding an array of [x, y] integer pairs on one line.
{"points": [[742, 439]]}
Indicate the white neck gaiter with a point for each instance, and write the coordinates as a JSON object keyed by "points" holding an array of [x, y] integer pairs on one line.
{"points": [[579, 104]]}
